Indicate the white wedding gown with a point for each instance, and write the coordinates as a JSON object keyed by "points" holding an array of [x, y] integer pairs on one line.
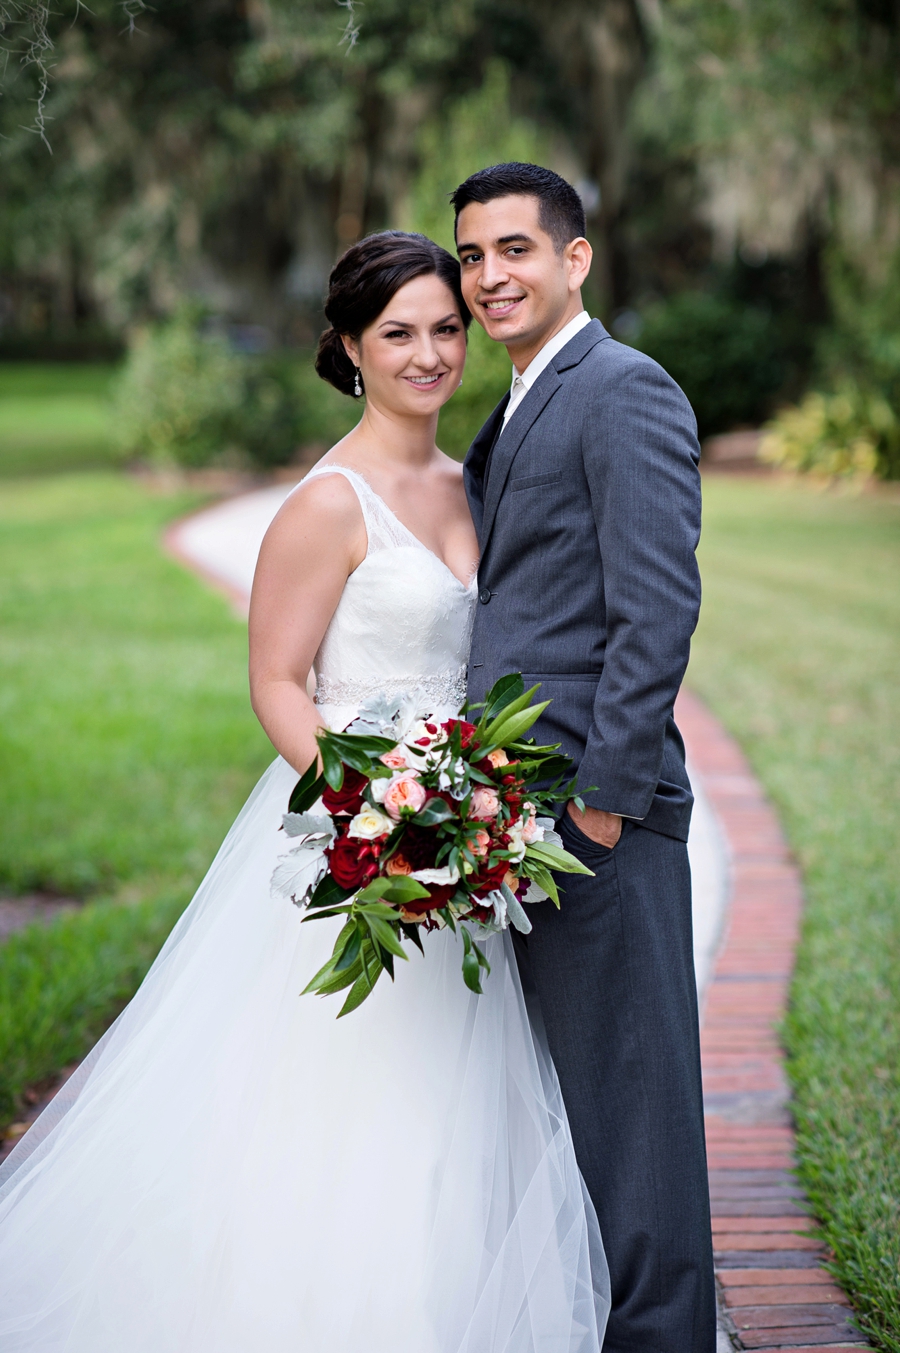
{"points": [[234, 1170]]}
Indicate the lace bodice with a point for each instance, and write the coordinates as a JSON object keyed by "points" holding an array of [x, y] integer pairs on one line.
{"points": [[404, 619]]}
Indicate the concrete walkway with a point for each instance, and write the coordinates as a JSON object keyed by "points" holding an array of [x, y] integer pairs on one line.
{"points": [[222, 544]]}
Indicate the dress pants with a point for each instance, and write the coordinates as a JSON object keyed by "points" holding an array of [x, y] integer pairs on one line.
{"points": [[611, 977]]}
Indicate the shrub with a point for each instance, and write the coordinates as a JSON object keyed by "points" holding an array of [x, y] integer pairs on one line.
{"points": [[727, 357], [848, 435], [179, 396], [185, 395]]}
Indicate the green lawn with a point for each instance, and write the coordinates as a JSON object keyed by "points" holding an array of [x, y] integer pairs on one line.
{"points": [[127, 744], [798, 652], [54, 417]]}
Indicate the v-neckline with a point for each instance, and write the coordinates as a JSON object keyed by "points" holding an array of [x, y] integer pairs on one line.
{"points": [[467, 587]]}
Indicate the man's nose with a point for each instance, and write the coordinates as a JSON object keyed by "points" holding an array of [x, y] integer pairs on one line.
{"points": [[493, 271]]}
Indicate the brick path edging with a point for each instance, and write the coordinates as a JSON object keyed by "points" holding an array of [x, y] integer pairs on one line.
{"points": [[774, 1291]]}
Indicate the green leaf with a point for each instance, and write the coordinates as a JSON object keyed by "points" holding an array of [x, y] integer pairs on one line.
{"points": [[324, 915], [471, 968], [332, 765], [385, 935], [508, 688], [361, 988], [350, 951], [556, 858], [515, 706], [505, 730], [435, 811], [412, 934], [399, 888], [543, 878], [328, 892], [307, 789]]}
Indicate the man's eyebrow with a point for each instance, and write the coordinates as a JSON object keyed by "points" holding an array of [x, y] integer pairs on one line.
{"points": [[519, 238]]}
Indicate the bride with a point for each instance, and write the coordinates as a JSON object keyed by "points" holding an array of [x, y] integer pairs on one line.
{"points": [[232, 1169]]}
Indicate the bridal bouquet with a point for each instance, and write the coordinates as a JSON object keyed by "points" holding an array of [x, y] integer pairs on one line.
{"points": [[414, 825]]}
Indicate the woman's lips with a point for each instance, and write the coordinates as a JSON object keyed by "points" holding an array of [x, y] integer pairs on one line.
{"points": [[425, 383]]}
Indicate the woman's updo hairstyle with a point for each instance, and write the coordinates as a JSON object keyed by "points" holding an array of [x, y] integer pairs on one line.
{"points": [[364, 281]]}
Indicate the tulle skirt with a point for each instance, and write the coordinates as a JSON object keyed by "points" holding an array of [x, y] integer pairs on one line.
{"points": [[233, 1169]]}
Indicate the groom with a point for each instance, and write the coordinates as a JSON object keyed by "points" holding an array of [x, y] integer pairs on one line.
{"points": [[585, 492]]}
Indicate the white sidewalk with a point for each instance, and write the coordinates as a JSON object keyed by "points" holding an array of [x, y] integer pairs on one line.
{"points": [[222, 543]]}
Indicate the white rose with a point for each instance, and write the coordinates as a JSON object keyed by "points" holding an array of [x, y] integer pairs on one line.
{"points": [[439, 876], [425, 733], [370, 824], [378, 787], [516, 845]]}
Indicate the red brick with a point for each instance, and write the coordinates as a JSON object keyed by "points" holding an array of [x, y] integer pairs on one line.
{"points": [[757, 1277], [783, 1295], [788, 1224], [768, 1240]]}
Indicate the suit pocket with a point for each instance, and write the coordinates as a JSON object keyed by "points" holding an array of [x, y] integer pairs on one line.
{"points": [[534, 481]]}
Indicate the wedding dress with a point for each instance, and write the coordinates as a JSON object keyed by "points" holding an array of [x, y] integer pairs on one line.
{"points": [[234, 1170]]}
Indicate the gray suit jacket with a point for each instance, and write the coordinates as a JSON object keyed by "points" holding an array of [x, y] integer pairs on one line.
{"points": [[588, 520]]}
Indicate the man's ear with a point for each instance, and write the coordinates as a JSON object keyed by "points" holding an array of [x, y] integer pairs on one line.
{"points": [[351, 347], [578, 255]]}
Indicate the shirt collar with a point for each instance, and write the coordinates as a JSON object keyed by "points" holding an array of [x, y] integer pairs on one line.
{"points": [[549, 351]]}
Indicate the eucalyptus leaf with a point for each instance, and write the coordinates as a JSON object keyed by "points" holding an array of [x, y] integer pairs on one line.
{"points": [[515, 911]]}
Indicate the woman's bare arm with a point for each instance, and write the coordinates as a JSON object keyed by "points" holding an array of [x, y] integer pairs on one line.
{"points": [[313, 545]]}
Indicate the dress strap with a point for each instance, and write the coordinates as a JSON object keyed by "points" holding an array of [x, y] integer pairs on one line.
{"points": [[383, 529]]}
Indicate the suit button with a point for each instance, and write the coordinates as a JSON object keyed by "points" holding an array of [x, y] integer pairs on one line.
{"points": [[484, 596]]}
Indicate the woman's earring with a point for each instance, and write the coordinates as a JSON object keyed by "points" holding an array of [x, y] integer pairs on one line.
{"points": [[357, 385]]}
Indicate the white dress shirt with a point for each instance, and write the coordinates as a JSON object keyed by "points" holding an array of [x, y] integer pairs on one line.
{"points": [[521, 384]]}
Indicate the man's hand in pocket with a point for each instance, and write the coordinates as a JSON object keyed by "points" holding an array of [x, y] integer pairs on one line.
{"points": [[602, 827]]}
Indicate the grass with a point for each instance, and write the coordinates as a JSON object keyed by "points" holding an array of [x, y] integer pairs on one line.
{"points": [[127, 743], [54, 417], [798, 652]]}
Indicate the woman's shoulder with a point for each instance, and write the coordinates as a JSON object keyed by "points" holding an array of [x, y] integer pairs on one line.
{"points": [[323, 504]]}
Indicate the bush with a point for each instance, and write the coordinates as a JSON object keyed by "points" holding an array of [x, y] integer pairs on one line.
{"points": [[185, 395], [728, 358], [849, 435]]}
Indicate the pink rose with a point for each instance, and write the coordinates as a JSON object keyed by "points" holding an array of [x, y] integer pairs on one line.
{"points": [[404, 792], [395, 759], [485, 803], [498, 758], [530, 831], [479, 843]]}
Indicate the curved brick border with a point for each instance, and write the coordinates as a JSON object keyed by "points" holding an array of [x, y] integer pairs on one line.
{"points": [[775, 1293]]}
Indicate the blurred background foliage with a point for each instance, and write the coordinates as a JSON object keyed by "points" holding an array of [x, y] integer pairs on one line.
{"points": [[740, 165]]}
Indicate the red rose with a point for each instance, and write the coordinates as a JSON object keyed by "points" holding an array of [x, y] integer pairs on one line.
{"points": [[466, 731], [419, 846], [481, 914], [352, 863], [347, 799], [488, 878]]}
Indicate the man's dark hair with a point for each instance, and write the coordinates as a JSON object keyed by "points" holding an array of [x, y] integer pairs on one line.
{"points": [[560, 212]]}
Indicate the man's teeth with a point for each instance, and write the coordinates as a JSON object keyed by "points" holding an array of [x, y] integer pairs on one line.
{"points": [[501, 305]]}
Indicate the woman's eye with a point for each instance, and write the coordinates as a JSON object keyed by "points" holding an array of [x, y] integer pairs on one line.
{"points": [[449, 329], [397, 333]]}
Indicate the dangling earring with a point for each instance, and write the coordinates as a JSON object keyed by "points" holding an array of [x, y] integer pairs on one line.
{"points": [[357, 386]]}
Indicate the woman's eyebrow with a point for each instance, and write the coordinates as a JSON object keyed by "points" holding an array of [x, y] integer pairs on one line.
{"points": [[407, 324]]}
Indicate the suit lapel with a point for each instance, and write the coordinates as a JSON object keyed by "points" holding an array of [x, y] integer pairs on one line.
{"points": [[476, 461], [509, 442]]}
